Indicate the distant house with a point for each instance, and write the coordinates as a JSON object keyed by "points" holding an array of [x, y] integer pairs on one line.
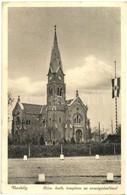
{"points": [[60, 119], [96, 137]]}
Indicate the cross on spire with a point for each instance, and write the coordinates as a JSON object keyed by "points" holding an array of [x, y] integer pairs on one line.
{"points": [[55, 36], [55, 28], [77, 94], [18, 98]]}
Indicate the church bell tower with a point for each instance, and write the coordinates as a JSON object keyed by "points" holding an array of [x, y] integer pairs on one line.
{"points": [[56, 94]]}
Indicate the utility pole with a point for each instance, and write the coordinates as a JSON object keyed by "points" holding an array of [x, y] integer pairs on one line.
{"points": [[116, 97], [29, 150], [61, 148], [99, 131]]}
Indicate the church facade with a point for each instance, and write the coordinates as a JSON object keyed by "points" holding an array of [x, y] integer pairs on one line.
{"points": [[59, 119]]}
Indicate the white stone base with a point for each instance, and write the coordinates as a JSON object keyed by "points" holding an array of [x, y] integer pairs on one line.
{"points": [[110, 177], [97, 157], [61, 157], [41, 178], [25, 157]]}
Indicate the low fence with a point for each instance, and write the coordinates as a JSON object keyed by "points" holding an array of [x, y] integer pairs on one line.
{"points": [[18, 151]]}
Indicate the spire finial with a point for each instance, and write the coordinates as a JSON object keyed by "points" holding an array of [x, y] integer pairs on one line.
{"points": [[18, 98], [55, 36], [77, 95], [55, 28]]}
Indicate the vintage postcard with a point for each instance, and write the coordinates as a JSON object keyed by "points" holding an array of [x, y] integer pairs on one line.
{"points": [[63, 98]]}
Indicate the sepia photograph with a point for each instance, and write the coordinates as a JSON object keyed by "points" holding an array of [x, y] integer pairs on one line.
{"points": [[65, 124]]}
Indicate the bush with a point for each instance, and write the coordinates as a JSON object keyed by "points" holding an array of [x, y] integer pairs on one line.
{"points": [[19, 151]]}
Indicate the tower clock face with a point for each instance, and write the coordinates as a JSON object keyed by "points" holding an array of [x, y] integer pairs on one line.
{"points": [[59, 77], [50, 78]]}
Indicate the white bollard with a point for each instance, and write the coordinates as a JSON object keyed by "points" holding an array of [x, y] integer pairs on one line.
{"points": [[110, 177], [61, 157], [41, 178], [97, 157], [25, 157]]}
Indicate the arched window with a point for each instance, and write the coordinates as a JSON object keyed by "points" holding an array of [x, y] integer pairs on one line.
{"points": [[60, 91], [77, 118], [78, 135], [50, 90], [59, 120], [17, 120], [28, 122]]}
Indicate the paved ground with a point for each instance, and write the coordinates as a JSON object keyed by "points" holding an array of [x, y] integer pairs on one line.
{"points": [[71, 170]]}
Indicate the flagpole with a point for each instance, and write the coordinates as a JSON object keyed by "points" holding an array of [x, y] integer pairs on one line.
{"points": [[116, 113], [112, 126], [116, 100]]}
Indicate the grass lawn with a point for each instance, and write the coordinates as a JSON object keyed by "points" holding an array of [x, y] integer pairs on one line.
{"points": [[71, 170]]}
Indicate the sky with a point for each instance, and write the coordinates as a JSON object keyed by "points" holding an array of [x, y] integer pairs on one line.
{"points": [[89, 41]]}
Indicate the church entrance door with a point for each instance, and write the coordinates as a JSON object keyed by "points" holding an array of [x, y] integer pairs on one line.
{"points": [[78, 135]]}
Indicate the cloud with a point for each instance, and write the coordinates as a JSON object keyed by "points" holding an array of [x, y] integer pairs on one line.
{"points": [[24, 86], [93, 77], [94, 74]]}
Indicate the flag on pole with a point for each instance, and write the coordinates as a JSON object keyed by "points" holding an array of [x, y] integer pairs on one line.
{"points": [[115, 87]]}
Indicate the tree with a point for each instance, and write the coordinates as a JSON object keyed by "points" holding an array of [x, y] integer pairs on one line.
{"points": [[10, 98], [42, 141], [119, 130], [10, 101]]}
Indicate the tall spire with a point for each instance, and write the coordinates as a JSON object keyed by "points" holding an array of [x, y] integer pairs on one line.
{"points": [[55, 36], [55, 62]]}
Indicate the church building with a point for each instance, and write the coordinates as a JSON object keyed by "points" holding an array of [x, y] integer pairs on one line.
{"points": [[60, 119]]}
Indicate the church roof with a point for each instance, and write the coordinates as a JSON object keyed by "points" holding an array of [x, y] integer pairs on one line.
{"points": [[55, 62], [32, 108], [77, 100], [69, 101], [21, 105], [43, 109]]}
